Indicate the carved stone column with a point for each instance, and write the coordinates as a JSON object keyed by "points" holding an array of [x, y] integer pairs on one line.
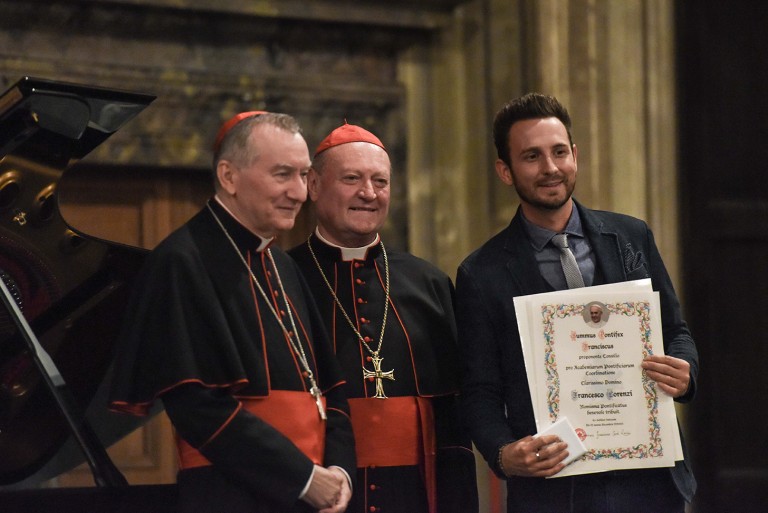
{"points": [[611, 63]]}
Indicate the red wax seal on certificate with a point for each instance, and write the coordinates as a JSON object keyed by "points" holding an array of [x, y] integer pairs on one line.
{"points": [[581, 434]]}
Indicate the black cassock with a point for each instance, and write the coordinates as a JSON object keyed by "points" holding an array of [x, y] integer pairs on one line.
{"points": [[419, 347], [199, 335]]}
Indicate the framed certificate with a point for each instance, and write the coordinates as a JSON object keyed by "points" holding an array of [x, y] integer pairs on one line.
{"points": [[583, 349]]}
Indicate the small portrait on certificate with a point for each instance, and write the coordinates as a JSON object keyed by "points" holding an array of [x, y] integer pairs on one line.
{"points": [[595, 314]]}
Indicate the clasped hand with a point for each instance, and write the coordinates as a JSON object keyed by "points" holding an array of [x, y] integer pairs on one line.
{"points": [[329, 490]]}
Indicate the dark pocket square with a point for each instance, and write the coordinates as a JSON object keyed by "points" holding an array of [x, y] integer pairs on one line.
{"points": [[634, 263]]}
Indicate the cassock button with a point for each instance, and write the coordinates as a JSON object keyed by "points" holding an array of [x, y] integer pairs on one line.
{"points": [[363, 320], [373, 487], [367, 339], [359, 281], [361, 301]]}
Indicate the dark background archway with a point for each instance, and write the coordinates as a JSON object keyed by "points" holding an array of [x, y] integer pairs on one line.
{"points": [[723, 113]]}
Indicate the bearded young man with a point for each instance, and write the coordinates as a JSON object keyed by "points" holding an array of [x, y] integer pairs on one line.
{"points": [[537, 157]]}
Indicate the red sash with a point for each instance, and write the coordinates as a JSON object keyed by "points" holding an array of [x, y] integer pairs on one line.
{"points": [[396, 431], [294, 414]]}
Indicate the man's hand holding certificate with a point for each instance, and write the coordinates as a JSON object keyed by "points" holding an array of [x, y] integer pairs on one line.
{"points": [[595, 355]]}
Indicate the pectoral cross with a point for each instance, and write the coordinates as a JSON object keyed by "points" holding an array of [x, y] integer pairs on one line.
{"points": [[317, 394], [378, 375]]}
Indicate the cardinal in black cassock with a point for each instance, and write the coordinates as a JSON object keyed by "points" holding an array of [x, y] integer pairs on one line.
{"points": [[222, 328], [391, 320]]}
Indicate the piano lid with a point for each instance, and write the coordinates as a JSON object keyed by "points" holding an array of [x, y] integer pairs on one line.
{"points": [[70, 288], [75, 118]]}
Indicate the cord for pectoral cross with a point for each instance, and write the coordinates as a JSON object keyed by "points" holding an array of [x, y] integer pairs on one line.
{"points": [[377, 374], [298, 350]]}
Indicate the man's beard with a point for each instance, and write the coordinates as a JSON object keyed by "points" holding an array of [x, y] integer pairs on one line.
{"points": [[553, 203]]}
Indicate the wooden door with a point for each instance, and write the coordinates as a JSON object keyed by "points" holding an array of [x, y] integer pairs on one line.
{"points": [[138, 207]]}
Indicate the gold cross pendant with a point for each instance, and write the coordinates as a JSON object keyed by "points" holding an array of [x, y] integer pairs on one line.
{"points": [[378, 375]]}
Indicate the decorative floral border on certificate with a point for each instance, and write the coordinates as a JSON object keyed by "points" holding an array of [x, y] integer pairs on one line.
{"points": [[643, 311]]}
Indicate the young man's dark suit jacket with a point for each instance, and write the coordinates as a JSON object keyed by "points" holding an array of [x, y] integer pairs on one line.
{"points": [[494, 375]]}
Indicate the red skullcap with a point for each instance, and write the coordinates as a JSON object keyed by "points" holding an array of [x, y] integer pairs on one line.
{"points": [[347, 133], [230, 124]]}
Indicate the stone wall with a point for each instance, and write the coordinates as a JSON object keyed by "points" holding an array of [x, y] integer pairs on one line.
{"points": [[321, 61]]}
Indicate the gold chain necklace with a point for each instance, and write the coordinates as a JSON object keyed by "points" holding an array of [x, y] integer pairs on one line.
{"points": [[376, 360], [297, 347]]}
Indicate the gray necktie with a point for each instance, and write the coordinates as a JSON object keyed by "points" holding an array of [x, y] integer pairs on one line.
{"points": [[568, 261]]}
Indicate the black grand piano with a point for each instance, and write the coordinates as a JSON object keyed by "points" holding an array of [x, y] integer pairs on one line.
{"points": [[62, 296]]}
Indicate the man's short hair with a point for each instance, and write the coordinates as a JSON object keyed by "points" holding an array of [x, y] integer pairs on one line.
{"points": [[529, 106]]}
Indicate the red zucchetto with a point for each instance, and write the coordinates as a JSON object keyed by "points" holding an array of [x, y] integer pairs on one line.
{"points": [[229, 125], [347, 133]]}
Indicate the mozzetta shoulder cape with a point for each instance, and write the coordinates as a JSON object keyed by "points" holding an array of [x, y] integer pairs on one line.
{"points": [[199, 335]]}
